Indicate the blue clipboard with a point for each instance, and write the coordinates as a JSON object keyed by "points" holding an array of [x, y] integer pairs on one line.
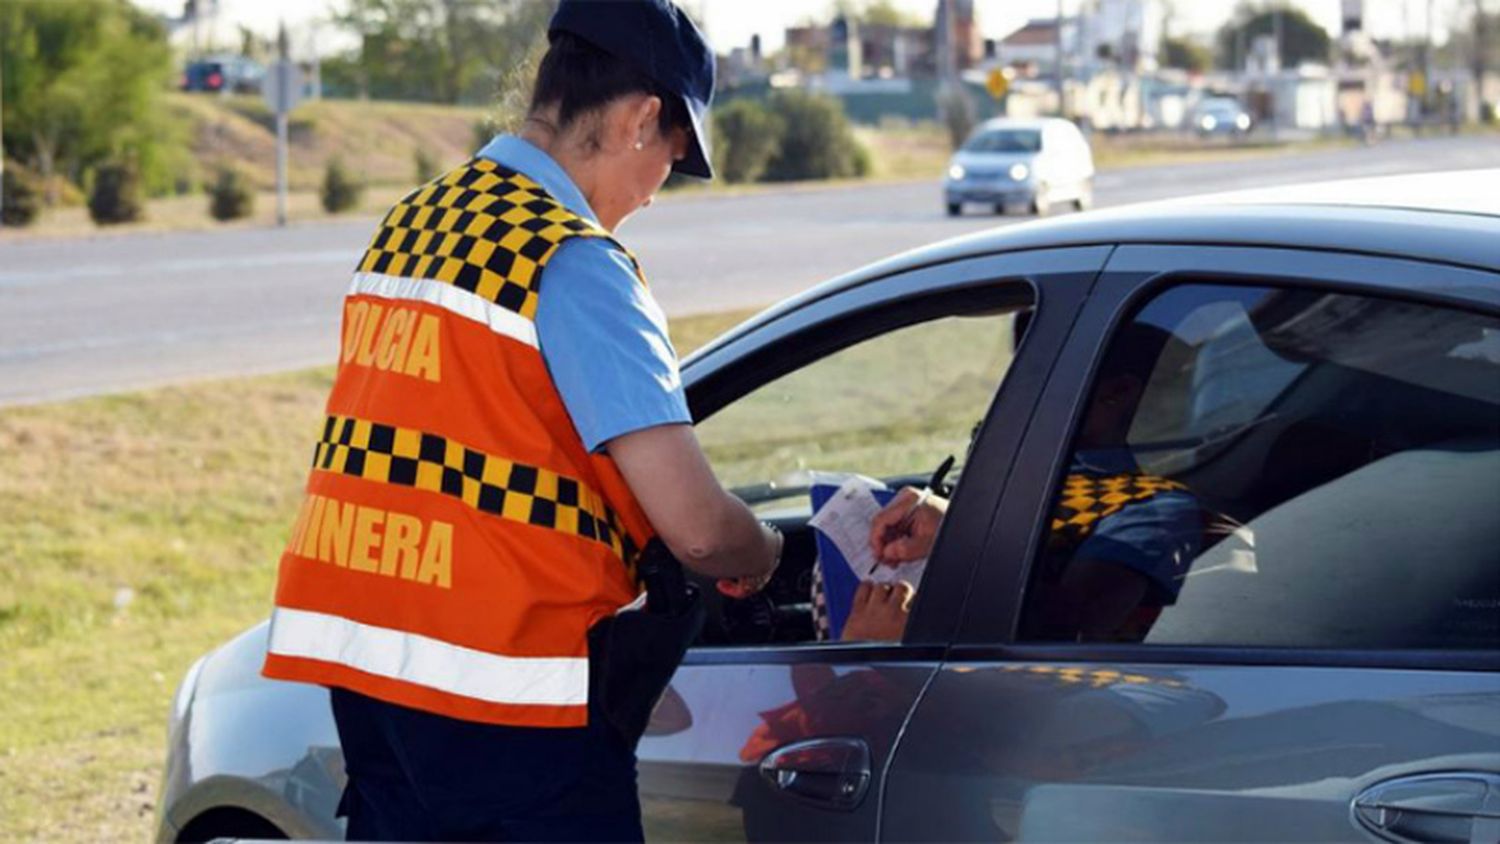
{"points": [[839, 580]]}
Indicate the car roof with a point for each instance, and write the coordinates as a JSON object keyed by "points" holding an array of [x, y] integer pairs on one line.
{"points": [[1368, 220], [1019, 122]]}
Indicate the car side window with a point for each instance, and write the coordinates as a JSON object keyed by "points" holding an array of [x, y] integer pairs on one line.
{"points": [[1268, 466], [892, 405]]}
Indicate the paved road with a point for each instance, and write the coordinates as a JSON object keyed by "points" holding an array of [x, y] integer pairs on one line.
{"points": [[115, 313]]}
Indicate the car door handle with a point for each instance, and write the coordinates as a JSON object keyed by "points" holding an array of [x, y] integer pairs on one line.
{"points": [[833, 773], [1458, 806]]}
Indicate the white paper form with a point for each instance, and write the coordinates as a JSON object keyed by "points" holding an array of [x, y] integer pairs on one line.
{"points": [[846, 520]]}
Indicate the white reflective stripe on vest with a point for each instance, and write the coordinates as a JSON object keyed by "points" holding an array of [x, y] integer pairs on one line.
{"points": [[424, 661], [456, 300]]}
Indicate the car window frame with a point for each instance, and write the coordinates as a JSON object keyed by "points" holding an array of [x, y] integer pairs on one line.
{"points": [[1135, 274], [1052, 281]]}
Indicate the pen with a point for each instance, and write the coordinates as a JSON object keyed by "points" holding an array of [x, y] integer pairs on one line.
{"points": [[904, 524]]}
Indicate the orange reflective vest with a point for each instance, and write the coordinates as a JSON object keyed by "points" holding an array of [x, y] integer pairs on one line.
{"points": [[457, 539]]}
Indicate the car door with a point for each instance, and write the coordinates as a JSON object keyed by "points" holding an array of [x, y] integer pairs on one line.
{"points": [[1311, 653], [766, 732]]}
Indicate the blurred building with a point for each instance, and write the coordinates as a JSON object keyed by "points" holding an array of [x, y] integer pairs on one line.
{"points": [[898, 51], [968, 41], [1123, 35], [1103, 60], [848, 48], [1033, 49], [743, 65]]}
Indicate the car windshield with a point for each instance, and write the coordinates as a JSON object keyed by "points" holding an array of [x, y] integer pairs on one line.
{"points": [[1005, 140]]}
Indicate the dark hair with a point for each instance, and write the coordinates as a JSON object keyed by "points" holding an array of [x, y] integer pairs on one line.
{"points": [[579, 78]]}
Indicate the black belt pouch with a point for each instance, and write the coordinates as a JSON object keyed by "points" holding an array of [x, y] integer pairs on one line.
{"points": [[633, 654]]}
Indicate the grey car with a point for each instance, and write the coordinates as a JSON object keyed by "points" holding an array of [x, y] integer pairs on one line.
{"points": [[1327, 667]]}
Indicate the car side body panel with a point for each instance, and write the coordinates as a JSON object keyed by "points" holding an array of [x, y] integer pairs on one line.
{"points": [[1023, 748], [267, 747], [1134, 742]]}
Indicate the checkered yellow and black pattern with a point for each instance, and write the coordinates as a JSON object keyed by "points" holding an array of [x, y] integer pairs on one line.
{"points": [[1085, 499], [483, 228], [408, 457]]}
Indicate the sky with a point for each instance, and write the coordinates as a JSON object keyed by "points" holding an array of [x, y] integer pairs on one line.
{"points": [[730, 23]]}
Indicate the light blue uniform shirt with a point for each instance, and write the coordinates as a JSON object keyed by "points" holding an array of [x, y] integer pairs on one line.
{"points": [[602, 336]]}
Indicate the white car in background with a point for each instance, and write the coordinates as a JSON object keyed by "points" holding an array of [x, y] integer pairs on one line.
{"points": [[1034, 165]]}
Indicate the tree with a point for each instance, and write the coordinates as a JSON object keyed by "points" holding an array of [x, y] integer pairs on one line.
{"points": [[1186, 54], [116, 197], [83, 84], [340, 190], [1302, 39], [887, 13], [745, 135], [231, 196], [23, 197], [817, 142], [436, 50]]}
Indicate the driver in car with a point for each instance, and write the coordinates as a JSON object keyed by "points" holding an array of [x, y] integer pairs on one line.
{"points": [[1121, 540]]}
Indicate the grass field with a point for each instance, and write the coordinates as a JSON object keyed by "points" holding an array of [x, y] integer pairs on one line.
{"points": [[138, 532], [893, 405]]}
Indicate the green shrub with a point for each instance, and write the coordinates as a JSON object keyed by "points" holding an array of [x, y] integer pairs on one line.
{"points": [[230, 196], [426, 166], [23, 196], [864, 163], [340, 191], [746, 134], [116, 196], [817, 142]]}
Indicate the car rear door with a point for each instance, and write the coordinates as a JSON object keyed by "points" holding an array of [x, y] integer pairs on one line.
{"points": [[1326, 666], [787, 738]]}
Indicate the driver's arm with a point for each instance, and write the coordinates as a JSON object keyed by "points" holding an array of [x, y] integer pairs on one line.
{"points": [[709, 530]]}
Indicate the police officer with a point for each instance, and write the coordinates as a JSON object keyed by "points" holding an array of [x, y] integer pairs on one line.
{"points": [[506, 431]]}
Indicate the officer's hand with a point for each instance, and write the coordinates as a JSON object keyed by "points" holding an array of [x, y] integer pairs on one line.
{"points": [[743, 587], [879, 612], [899, 534]]}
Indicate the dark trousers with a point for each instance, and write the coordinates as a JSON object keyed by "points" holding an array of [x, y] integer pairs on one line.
{"points": [[415, 776]]}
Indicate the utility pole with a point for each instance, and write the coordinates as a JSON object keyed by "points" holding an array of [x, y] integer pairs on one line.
{"points": [[1062, 109], [2, 137], [1427, 62], [953, 107], [1477, 61], [283, 58], [1275, 82]]}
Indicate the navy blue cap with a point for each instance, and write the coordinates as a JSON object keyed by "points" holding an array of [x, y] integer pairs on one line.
{"points": [[663, 42]]}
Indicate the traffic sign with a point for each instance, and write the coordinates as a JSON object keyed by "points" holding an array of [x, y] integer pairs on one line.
{"points": [[283, 87], [997, 83]]}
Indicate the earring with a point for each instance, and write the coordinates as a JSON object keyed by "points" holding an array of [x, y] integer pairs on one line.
{"points": [[639, 146]]}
